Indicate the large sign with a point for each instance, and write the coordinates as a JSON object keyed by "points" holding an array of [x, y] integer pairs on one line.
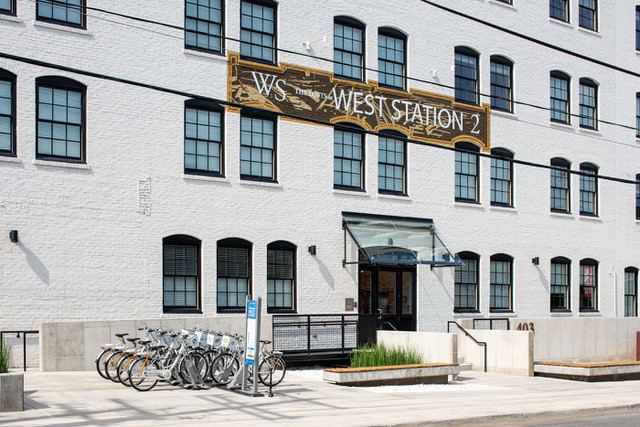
{"points": [[315, 94]]}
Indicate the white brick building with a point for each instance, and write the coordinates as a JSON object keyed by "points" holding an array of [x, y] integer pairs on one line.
{"points": [[97, 173]]}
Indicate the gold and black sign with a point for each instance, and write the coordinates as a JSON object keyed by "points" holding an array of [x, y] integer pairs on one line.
{"points": [[318, 95]]}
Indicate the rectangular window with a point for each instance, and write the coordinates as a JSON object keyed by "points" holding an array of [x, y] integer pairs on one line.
{"points": [[588, 191], [391, 60], [559, 286], [257, 148], [181, 276], [500, 292], [501, 81], [258, 31], [560, 187], [7, 116], [233, 277], [466, 176], [501, 176], [559, 9], [588, 104], [391, 169], [202, 141], [588, 14], [638, 115], [466, 76], [630, 293], [348, 50], [637, 27], [60, 123], [559, 98], [8, 7], [588, 287], [203, 25], [466, 285], [638, 197], [65, 12], [280, 279], [347, 160]]}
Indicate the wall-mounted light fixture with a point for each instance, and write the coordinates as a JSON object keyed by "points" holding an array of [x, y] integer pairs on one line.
{"points": [[13, 235], [312, 249], [535, 261]]}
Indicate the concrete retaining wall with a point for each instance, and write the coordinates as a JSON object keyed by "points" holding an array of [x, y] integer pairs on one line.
{"points": [[582, 340], [508, 352], [434, 347], [73, 346]]}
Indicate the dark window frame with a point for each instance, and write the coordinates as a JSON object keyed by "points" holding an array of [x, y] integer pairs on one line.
{"points": [[638, 28], [6, 76], [591, 109], [282, 245], [234, 243], [12, 9], [559, 162], [209, 22], [264, 116], [637, 114], [588, 262], [588, 15], [397, 35], [53, 3], [506, 1], [469, 256], [638, 197], [274, 48], [559, 5], [57, 82], [506, 157], [346, 21], [566, 308], [631, 297], [470, 149], [592, 170], [183, 240], [459, 77], [502, 258], [195, 104], [560, 76], [398, 137], [501, 60], [351, 128]]}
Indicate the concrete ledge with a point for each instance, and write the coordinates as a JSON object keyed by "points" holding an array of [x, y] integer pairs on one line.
{"points": [[11, 392], [590, 372], [431, 373]]}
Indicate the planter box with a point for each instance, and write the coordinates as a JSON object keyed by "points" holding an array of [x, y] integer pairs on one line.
{"points": [[11, 392], [430, 373], [612, 371]]}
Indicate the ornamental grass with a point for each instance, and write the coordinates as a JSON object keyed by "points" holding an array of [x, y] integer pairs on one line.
{"points": [[4, 358], [370, 355]]}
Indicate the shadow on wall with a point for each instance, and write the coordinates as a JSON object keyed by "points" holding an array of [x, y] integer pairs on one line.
{"points": [[36, 265], [543, 279], [326, 274]]}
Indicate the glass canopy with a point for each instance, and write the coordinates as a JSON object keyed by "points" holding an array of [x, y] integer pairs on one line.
{"points": [[397, 240]]}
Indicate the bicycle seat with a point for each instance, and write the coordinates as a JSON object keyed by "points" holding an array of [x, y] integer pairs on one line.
{"points": [[132, 340], [173, 335], [121, 335], [145, 342], [265, 341]]}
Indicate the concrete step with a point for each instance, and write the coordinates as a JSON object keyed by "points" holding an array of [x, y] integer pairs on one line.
{"points": [[464, 366]]}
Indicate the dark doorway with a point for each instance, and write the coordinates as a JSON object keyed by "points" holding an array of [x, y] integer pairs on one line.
{"points": [[390, 292]]}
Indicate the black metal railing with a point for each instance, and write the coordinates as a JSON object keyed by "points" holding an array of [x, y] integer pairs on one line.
{"points": [[480, 343], [24, 343], [501, 323]]}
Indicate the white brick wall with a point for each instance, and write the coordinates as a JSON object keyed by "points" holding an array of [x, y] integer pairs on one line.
{"points": [[85, 253]]}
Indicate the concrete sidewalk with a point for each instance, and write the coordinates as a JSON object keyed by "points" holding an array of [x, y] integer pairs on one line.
{"points": [[83, 398]]}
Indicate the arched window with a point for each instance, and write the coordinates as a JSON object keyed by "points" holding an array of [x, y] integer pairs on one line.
{"points": [[234, 274], [501, 283], [501, 83], [348, 48], [467, 75], [560, 97], [392, 160], [7, 113], [467, 173], [588, 285], [203, 138], [588, 104], [560, 185], [560, 284], [61, 115], [281, 276], [181, 274], [348, 156], [631, 292], [466, 283], [588, 189], [501, 177], [392, 58]]}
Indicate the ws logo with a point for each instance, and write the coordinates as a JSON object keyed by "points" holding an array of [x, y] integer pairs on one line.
{"points": [[267, 82]]}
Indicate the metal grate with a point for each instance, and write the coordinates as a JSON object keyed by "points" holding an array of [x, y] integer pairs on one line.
{"points": [[501, 323]]}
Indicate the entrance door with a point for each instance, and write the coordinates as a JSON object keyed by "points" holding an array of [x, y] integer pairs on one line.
{"points": [[389, 292]]}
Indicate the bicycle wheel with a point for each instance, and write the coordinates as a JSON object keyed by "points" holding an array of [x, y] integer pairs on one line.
{"points": [[275, 365], [111, 365], [200, 365], [223, 368], [102, 357], [122, 369], [137, 374]]}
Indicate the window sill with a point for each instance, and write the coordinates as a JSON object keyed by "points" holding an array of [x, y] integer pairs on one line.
{"points": [[503, 4], [230, 311], [502, 312], [202, 54], [505, 114], [195, 177], [61, 27], [281, 311], [471, 205], [9, 159], [503, 208], [559, 214], [561, 22], [560, 311], [267, 184], [560, 125], [465, 312], [402, 198], [590, 217], [357, 193], [589, 131], [181, 312], [590, 31], [10, 18], [589, 313], [61, 164]]}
